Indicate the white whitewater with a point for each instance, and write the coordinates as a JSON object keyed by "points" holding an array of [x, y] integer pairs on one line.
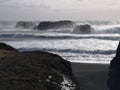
{"points": [[98, 47]]}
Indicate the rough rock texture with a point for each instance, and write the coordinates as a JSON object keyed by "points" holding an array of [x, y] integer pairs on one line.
{"points": [[55, 25], [35, 70], [82, 29], [25, 25], [7, 47], [114, 72]]}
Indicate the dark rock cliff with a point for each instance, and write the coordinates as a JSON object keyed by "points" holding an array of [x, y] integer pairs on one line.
{"points": [[35, 70], [4, 46], [114, 72]]}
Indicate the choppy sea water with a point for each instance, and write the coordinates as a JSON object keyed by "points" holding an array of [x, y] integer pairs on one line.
{"points": [[97, 47]]}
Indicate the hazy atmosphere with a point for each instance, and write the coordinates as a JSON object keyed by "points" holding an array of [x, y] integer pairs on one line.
{"points": [[59, 44], [59, 9]]}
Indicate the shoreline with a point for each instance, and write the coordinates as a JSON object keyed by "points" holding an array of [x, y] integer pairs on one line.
{"points": [[89, 66], [91, 76]]}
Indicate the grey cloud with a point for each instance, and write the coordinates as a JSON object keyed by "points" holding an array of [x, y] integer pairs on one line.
{"points": [[21, 4], [4, 1]]}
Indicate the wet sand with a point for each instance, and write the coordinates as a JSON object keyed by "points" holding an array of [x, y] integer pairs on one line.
{"points": [[91, 76]]}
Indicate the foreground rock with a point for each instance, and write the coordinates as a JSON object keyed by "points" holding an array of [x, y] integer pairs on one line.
{"points": [[55, 25], [35, 70], [114, 72], [25, 25], [82, 29], [4, 46]]}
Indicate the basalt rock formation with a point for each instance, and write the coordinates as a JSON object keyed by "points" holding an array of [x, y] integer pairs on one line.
{"points": [[35, 70], [55, 25], [4, 46], [82, 29], [114, 72], [25, 25]]}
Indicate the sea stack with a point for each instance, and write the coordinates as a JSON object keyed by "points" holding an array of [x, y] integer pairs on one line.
{"points": [[114, 71], [45, 25], [82, 29], [25, 25]]}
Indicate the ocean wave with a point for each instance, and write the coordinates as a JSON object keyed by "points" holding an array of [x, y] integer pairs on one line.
{"points": [[54, 37], [94, 52]]}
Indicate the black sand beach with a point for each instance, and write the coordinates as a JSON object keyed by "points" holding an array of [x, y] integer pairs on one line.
{"points": [[91, 76]]}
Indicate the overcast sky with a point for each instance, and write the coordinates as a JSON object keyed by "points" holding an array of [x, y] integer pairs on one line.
{"points": [[59, 9]]}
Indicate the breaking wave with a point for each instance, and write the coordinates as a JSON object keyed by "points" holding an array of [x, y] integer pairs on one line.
{"points": [[59, 37], [100, 45]]}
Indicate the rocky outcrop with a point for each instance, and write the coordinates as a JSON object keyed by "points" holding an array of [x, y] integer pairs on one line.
{"points": [[114, 72], [55, 25], [25, 25], [35, 70], [4, 46], [82, 29]]}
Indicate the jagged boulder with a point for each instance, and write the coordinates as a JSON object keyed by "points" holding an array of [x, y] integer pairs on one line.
{"points": [[114, 72], [55, 25], [25, 25], [82, 29], [36, 70]]}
